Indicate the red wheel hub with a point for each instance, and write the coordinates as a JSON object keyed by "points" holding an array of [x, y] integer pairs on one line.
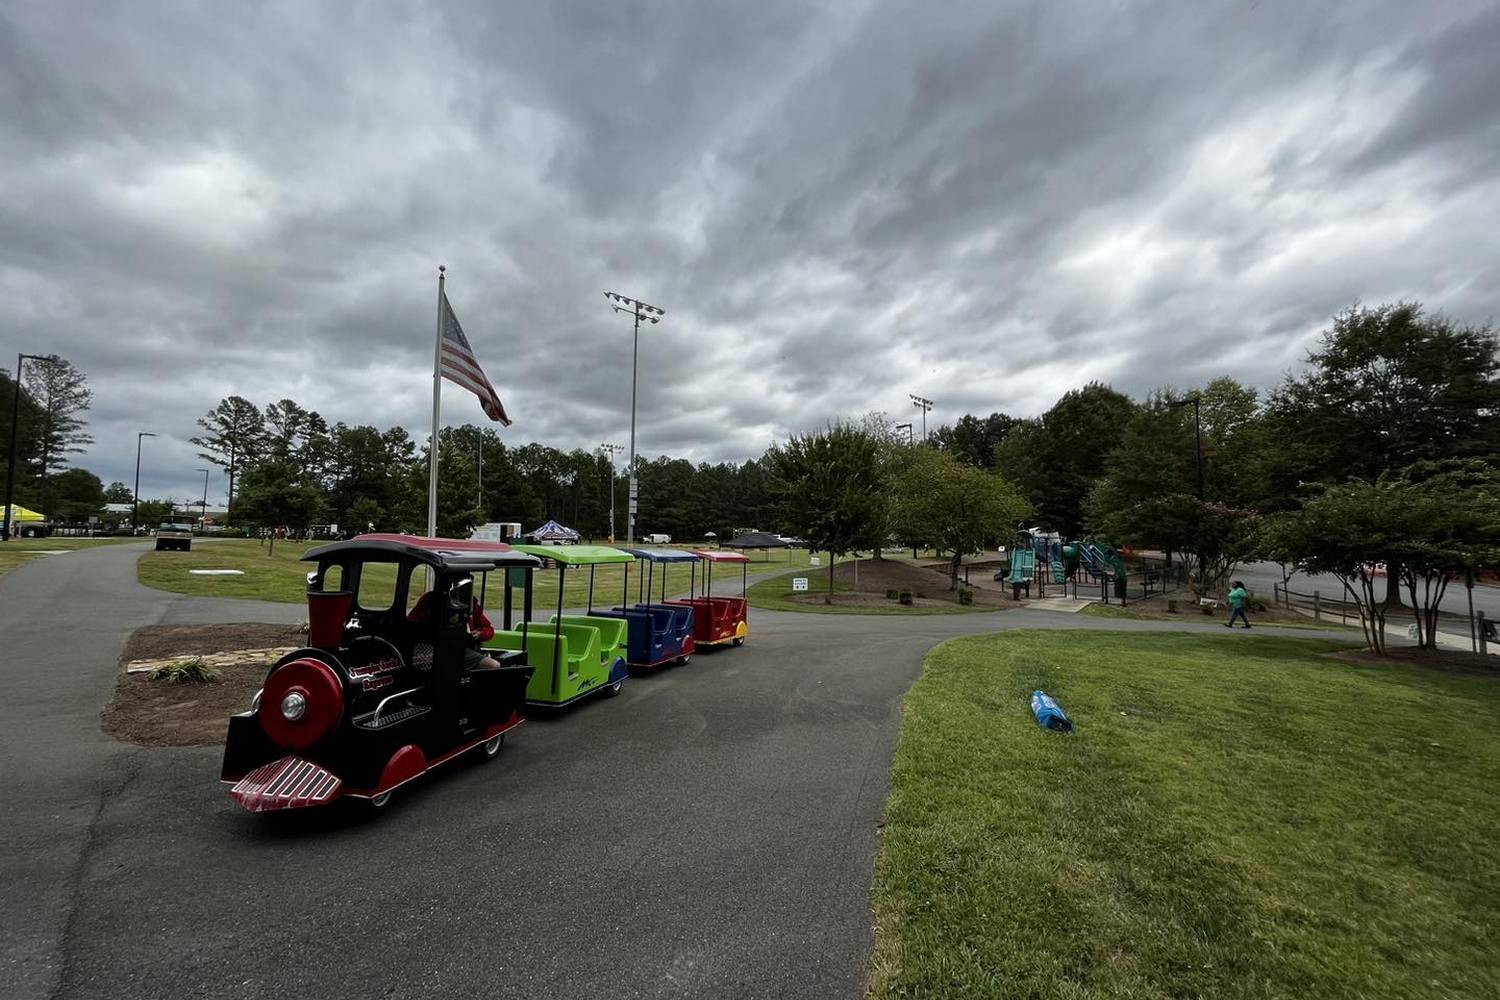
{"points": [[310, 693]]}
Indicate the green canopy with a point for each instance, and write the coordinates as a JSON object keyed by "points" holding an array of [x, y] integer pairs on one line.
{"points": [[577, 555]]}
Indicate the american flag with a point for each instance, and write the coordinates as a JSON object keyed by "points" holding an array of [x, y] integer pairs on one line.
{"points": [[461, 367]]}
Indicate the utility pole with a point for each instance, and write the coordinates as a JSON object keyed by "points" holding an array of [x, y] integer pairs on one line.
{"points": [[609, 451], [1196, 402], [135, 506], [203, 510], [637, 310], [15, 437], [907, 428], [924, 404]]}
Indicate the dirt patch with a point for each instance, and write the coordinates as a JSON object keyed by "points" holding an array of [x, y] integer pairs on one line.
{"points": [[876, 576], [1453, 660], [159, 713]]}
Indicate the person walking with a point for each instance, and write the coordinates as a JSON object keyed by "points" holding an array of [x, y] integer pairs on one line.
{"points": [[1238, 596]]}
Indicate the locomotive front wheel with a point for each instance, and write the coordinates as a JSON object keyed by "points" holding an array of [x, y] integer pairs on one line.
{"points": [[492, 746], [614, 688], [380, 801]]}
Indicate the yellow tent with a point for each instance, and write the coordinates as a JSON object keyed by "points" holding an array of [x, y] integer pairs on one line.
{"points": [[19, 514]]}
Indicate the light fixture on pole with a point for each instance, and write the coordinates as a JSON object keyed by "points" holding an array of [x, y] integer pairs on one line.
{"points": [[203, 509], [135, 506], [610, 450], [15, 434], [1196, 401], [638, 311], [924, 404], [907, 428]]}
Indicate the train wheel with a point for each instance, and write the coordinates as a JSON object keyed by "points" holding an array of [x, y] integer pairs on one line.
{"points": [[492, 746], [614, 689], [378, 802], [739, 641], [681, 660]]}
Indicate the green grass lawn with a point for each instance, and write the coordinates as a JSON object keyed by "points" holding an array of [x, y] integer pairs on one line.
{"points": [[18, 551], [281, 576], [1235, 816]]}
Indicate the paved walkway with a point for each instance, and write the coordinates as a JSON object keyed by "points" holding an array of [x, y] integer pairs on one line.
{"points": [[711, 832]]}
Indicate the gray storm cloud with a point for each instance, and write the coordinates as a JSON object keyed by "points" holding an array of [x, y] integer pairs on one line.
{"points": [[836, 206]]}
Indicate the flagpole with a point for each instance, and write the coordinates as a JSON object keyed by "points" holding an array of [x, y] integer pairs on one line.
{"points": [[437, 403]]}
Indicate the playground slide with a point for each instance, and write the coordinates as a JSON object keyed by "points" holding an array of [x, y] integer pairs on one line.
{"points": [[1059, 573], [1022, 566]]}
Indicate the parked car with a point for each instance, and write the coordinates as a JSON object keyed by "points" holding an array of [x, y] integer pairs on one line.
{"points": [[174, 536]]}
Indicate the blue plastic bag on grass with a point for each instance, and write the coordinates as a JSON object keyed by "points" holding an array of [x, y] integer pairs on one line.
{"points": [[1049, 714]]}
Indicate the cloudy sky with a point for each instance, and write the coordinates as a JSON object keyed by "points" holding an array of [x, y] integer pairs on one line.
{"points": [[836, 204]]}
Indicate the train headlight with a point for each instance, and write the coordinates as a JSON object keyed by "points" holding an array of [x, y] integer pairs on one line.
{"points": [[293, 706]]}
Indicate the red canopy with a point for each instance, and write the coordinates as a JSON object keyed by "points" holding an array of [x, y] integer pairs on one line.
{"points": [[437, 544], [717, 556]]}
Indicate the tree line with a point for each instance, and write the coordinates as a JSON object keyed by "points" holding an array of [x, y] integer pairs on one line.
{"points": [[286, 465]]}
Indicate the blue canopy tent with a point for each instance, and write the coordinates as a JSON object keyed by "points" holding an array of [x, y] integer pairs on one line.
{"points": [[554, 534]]}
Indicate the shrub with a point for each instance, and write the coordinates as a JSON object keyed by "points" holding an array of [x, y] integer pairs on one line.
{"points": [[905, 597], [193, 670], [965, 596], [891, 594], [1171, 607]]}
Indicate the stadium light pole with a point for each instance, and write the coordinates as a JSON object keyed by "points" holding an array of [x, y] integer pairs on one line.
{"points": [[203, 509], [924, 404], [907, 428], [135, 506], [15, 436], [610, 450], [638, 311]]}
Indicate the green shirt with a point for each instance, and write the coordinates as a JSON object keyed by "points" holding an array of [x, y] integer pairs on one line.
{"points": [[1237, 597]]}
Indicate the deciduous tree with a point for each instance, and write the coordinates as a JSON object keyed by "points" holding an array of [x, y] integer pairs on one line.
{"points": [[828, 490], [940, 501]]}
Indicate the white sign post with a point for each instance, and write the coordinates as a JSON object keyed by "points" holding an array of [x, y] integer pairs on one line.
{"points": [[814, 561], [799, 583]]}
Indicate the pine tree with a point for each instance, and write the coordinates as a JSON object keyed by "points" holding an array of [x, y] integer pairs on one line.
{"points": [[235, 432], [61, 392]]}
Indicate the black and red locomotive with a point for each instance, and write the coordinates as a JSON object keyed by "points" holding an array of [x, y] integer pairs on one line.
{"points": [[381, 695]]}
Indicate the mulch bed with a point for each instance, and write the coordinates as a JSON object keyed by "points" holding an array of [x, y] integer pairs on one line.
{"points": [[876, 576], [159, 713], [1454, 660]]}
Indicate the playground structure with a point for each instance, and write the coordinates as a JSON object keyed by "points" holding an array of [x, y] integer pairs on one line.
{"points": [[1088, 568]]}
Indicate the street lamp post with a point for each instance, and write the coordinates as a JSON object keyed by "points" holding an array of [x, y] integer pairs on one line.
{"points": [[203, 510], [135, 506], [609, 451], [907, 428], [638, 310], [15, 437], [924, 404], [1196, 402]]}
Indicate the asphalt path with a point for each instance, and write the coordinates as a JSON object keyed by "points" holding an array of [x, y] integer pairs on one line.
{"points": [[710, 832]]}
